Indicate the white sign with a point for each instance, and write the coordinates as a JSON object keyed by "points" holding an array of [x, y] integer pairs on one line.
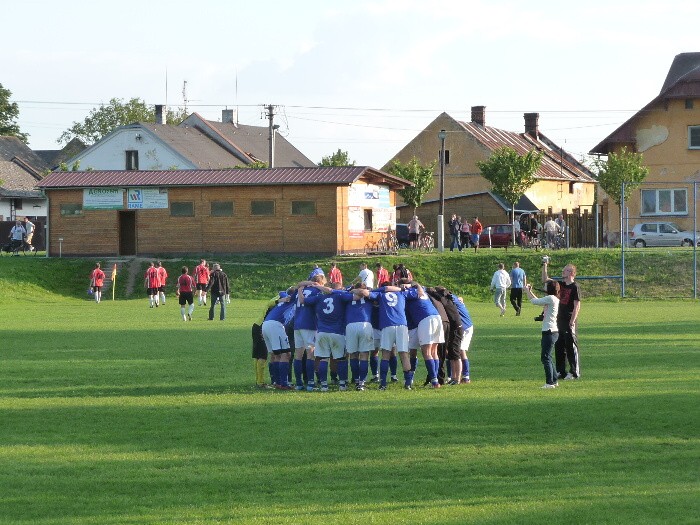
{"points": [[147, 198], [103, 199]]}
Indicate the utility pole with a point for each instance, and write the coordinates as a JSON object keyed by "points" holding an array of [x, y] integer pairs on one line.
{"points": [[184, 95], [272, 128]]}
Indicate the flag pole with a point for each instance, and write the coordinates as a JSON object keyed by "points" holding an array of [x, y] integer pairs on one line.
{"points": [[114, 279]]}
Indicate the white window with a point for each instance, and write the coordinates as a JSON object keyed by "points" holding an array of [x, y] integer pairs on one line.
{"points": [[665, 202], [693, 137]]}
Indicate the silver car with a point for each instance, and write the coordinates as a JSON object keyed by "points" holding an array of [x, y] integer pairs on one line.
{"points": [[661, 234]]}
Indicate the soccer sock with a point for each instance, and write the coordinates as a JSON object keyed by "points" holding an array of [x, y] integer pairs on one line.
{"points": [[364, 366], [259, 371], [191, 309], [270, 367], [393, 363], [408, 378], [465, 367], [436, 368], [429, 368], [343, 371], [374, 364], [383, 370], [310, 369], [150, 300], [275, 372], [182, 311], [298, 372], [355, 369], [284, 373], [323, 372], [414, 363]]}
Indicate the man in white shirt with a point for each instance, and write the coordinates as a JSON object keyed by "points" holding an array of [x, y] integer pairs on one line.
{"points": [[551, 228], [29, 228], [366, 276], [414, 229], [499, 284], [17, 234]]}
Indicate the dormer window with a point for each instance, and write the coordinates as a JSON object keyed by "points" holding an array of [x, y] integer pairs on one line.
{"points": [[132, 160]]}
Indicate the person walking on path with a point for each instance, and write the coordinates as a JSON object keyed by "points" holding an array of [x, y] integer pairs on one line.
{"points": [[218, 287], [499, 284], [518, 281], [97, 278], [477, 228]]}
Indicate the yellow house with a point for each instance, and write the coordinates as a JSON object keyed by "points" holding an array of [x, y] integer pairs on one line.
{"points": [[563, 185], [667, 133]]}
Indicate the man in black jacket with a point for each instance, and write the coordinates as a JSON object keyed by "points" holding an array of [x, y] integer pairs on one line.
{"points": [[219, 288]]}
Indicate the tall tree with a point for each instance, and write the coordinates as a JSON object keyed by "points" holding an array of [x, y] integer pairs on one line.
{"points": [[339, 158], [511, 174], [9, 111], [624, 167], [104, 119], [421, 177]]}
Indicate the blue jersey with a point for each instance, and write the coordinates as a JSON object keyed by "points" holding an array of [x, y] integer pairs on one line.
{"points": [[330, 311], [392, 306], [517, 278], [463, 312], [283, 312], [358, 310], [305, 317], [418, 308]]}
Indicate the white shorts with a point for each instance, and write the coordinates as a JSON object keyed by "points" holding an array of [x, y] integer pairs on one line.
{"points": [[430, 330], [377, 337], [413, 343], [304, 338], [467, 339], [275, 337], [395, 336], [329, 345], [359, 337]]}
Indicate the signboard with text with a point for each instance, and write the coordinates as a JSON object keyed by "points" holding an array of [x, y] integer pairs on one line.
{"points": [[103, 199], [147, 198]]}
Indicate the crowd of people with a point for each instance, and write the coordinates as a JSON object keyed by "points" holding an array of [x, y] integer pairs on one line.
{"points": [[21, 234], [359, 333]]}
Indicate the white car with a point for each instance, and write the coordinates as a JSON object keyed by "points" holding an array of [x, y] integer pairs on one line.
{"points": [[661, 234]]}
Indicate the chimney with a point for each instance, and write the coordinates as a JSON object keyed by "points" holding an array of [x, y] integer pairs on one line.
{"points": [[227, 116], [161, 114], [479, 115], [532, 125]]}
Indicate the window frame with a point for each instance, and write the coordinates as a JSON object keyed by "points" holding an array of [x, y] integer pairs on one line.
{"points": [[212, 213], [131, 162], [77, 207], [299, 213], [180, 203], [253, 212], [672, 202], [695, 129]]}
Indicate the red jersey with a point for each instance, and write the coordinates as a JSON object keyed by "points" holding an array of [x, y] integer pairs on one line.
{"points": [[201, 274], [162, 275], [335, 276], [477, 228], [97, 277], [185, 283], [152, 279], [382, 276]]}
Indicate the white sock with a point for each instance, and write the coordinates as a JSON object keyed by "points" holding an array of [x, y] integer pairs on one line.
{"points": [[191, 309]]}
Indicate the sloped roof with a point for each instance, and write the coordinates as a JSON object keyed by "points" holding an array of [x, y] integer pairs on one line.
{"points": [[243, 177], [682, 81], [12, 147], [17, 181], [523, 205], [556, 164], [54, 157]]}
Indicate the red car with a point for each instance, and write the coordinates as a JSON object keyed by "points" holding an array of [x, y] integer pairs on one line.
{"points": [[501, 235]]}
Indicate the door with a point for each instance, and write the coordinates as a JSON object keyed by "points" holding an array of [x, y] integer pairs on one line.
{"points": [[127, 233]]}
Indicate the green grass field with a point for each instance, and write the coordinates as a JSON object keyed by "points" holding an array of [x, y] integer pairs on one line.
{"points": [[120, 414]]}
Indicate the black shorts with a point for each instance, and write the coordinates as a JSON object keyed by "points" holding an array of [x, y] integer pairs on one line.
{"points": [[185, 297], [453, 345], [412, 237], [259, 348], [161, 289], [151, 291], [283, 351], [201, 286], [96, 288]]}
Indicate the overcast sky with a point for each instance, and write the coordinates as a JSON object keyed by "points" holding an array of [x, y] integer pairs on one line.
{"points": [[363, 76]]}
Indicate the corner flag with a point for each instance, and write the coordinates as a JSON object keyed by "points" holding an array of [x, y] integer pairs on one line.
{"points": [[114, 279]]}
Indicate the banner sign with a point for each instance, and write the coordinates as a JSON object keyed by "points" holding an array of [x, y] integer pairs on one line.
{"points": [[147, 198], [103, 199]]}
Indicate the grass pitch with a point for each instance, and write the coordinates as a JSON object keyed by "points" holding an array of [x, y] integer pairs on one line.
{"points": [[120, 414]]}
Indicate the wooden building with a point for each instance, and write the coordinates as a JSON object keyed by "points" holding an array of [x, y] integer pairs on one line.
{"points": [[323, 210]]}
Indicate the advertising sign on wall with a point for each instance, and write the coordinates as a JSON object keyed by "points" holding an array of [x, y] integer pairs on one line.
{"points": [[103, 199], [147, 198]]}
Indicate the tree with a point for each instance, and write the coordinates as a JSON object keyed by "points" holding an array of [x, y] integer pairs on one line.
{"points": [[623, 167], [9, 111], [339, 158], [106, 118], [420, 176], [510, 174]]}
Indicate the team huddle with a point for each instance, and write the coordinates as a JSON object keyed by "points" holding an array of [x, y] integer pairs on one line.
{"points": [[357, 330]]}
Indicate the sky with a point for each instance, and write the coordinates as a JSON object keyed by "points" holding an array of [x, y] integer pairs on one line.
{"points": [[361, 76]]}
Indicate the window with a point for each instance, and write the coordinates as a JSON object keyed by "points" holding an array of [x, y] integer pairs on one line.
{"points": [[571, 187], [688, 103], [132, 160], [447, 156], [182, 209], [665, 202], [303, 207], [71, 210], [368, 220], [262, 208], [222, 208], [17, 204], [693, 137]]}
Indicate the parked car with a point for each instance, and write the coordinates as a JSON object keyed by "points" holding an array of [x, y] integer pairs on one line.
{"points": [[402, 235], [501, 235], [661, 234]]}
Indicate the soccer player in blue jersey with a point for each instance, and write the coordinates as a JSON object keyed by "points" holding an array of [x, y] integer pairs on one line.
{"points": [[305, 333], [359, 335], [276, 339], [468, 327], [428, 332], [330, 337]]}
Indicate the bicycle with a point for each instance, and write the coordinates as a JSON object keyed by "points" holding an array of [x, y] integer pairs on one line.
{"points": [[426, 241]]}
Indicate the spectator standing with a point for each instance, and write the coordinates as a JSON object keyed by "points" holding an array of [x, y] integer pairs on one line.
{"points": [[499, 284], [17, 234], [464, 233], [518, 281], [455, 226], [97, 278], [366, 276], [218, 287], [551, 229], [382, 274], [29, 227], [550, 333], [566, 347], [477, 228], [335, 276], [414, 229]]}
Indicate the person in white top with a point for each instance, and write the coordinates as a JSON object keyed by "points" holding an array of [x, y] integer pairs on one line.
{"points": [[500, 282], [551, 228], [366, 276], [550, 332]]}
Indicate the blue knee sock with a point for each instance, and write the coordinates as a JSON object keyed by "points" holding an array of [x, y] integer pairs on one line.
{"points": [[383, 370], [284, 373], [310, 372], [343, 371], [364, 366], [374, 364], [393, 364], [323, 372], [355, 369], [298, 371], [465, 367], [408, 378]]}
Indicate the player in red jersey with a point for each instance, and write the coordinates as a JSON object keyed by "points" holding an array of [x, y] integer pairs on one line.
{"points": [[97, 278], [201, 277], [335, 276], [185, 292], [152, 283], [162, 277]]}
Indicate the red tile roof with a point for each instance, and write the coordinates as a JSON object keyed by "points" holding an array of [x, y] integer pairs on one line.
{"points": [[246, 177]]}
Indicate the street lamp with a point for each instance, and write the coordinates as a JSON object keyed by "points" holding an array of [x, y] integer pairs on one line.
{"points": [[441, 214]]}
